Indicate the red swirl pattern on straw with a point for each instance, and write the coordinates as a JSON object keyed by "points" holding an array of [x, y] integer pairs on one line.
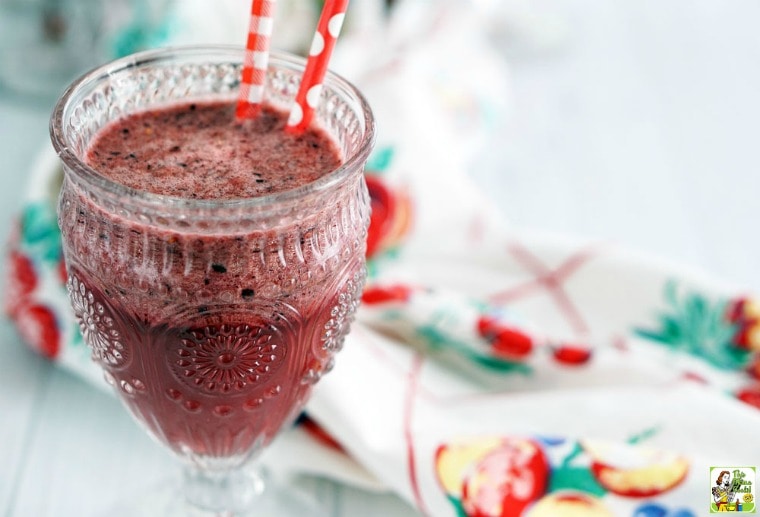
{"points": [[256, 59], [328, 29]]}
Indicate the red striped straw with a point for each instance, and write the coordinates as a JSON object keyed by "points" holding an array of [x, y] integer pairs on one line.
{"points": [[328, 29], [256, 59]]}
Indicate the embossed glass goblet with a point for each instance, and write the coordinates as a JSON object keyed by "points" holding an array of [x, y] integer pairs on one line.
{"points": [[211, 319]]}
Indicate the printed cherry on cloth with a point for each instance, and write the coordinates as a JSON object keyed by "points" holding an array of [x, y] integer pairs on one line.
{"points": [[490, 371]]}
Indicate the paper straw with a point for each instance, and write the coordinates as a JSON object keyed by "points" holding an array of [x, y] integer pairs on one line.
{"points": [[328, 29], [256, 59]]}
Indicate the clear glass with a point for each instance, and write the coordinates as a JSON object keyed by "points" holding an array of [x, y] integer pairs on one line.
{"points": [[211, 319]]}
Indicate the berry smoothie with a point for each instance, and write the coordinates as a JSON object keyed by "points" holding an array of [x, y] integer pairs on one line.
{"points": [[214, 329], [201, 151]]}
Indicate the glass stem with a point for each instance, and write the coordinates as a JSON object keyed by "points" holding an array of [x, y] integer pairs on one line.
{"points": [[222, 492]]}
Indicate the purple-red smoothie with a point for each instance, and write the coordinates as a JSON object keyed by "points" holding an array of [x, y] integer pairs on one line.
{"points": [[214, 332], [201, 151]]}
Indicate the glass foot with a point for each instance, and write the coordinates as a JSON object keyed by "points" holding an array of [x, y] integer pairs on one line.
{"points": [[270, 498]]}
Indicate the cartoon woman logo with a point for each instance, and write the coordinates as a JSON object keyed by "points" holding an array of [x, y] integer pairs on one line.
{"points": [[722, 492]]}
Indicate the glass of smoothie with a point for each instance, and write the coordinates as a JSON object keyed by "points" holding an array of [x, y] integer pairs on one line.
{"points": [[214, 265]]}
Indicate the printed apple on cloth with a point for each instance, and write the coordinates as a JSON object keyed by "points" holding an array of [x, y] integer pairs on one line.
{"points": [[490, 371]]}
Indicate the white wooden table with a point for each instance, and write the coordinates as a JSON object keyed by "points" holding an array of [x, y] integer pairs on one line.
{"points": [[643, 128]]}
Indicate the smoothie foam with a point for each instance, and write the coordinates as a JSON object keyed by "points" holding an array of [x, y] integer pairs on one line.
{"points": [[200, 151]]}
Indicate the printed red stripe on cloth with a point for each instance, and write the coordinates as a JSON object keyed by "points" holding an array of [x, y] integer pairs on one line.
{"points": [[256, 58]]}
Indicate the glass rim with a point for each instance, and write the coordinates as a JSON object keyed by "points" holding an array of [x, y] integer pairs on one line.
{"points": [[236, 53]]}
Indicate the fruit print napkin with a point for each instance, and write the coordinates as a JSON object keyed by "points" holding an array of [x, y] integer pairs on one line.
{"points": [[494, 371], [490, 371]]}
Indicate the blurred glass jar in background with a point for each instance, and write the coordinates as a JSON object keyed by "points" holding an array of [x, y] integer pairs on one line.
{"points": [[44, 44]]}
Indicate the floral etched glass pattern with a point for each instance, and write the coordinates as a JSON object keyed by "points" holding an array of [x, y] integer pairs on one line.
{"points": [[212, 319], [227, 359], [96, 325]]}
